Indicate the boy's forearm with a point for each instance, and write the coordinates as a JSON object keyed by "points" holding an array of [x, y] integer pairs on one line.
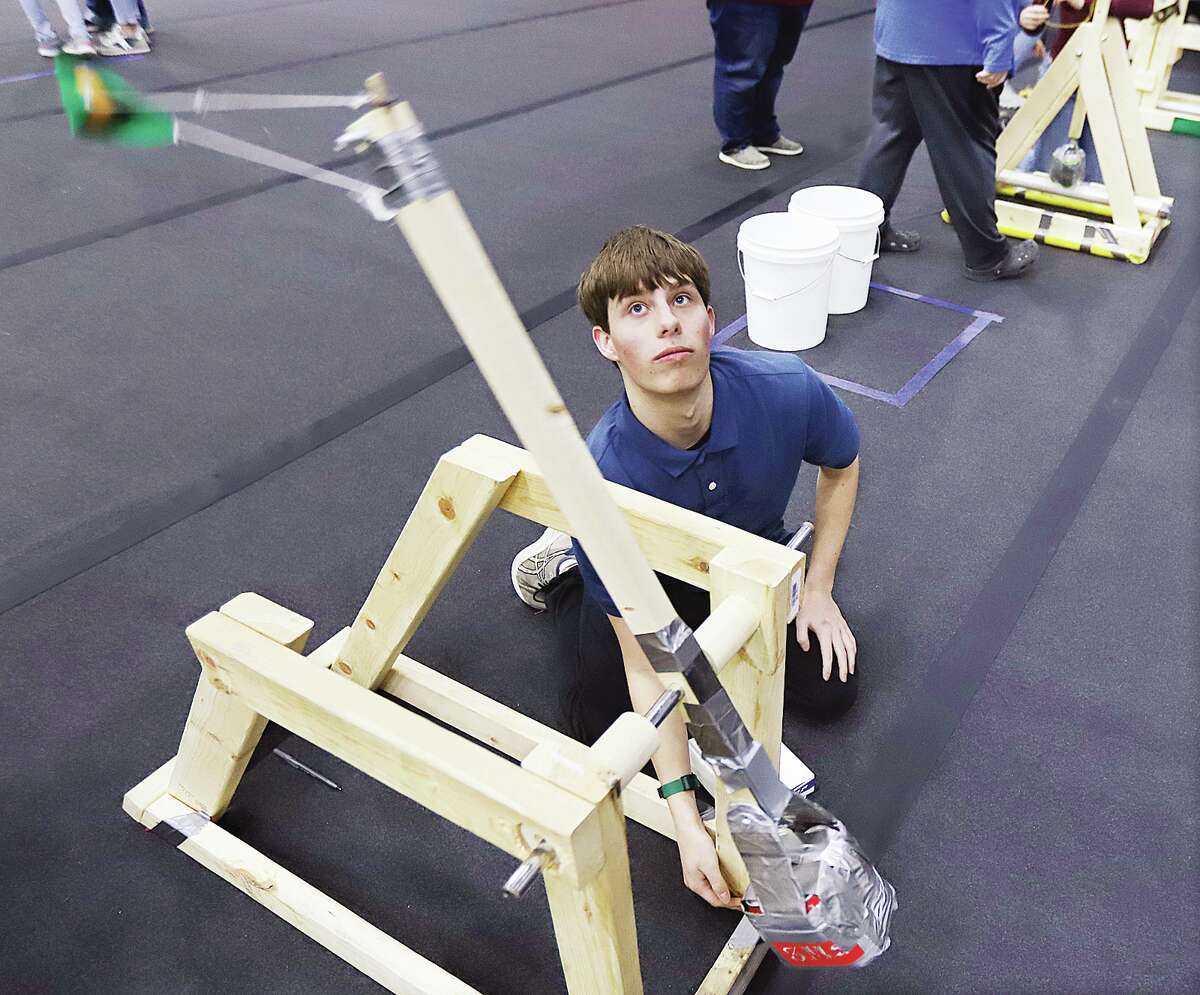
{"points": [[834, 507], [672, 759]]}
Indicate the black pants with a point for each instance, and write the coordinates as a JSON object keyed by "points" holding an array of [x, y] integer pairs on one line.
{"points": [[959, 120], [593, 691]]}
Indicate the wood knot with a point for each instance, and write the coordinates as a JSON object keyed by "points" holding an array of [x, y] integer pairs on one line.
{"points": [[446, 507], [342, 667], [699, 563], [556, 409], [369, 624]]}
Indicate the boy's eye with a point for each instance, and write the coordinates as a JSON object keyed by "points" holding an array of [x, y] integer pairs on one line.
{"points": [[637, 308], [682, 298]]}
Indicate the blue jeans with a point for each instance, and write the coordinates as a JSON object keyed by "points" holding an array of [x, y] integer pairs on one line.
{"points": [[105, 15], [753, 44], [44, 29]]}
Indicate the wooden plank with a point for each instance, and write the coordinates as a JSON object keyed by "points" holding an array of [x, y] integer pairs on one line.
{"points": [[509, 731], [594, 925], [677, 542], [336, 928], [1040, 107], [221, 733], [754, 680], [458, 498], [1124, 98], [219, 738], [438, 769], [142, 795], [737, 962], [462, 276], [1106, 132], [325, 655], [274, 621]]}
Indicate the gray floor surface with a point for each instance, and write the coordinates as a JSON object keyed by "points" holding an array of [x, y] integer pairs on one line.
{"points": [[214, 379]]}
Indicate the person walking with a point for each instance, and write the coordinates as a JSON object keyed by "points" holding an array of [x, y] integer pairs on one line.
{"points": [[48, 42], [753, 41], [126, 36], [938, 70]]}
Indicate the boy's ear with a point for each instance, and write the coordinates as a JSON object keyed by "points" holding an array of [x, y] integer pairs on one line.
{"points": [[603, 342], [712, 322]]}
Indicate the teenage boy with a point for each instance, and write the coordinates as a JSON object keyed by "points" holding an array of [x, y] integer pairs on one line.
{"points": [[723, 434]]}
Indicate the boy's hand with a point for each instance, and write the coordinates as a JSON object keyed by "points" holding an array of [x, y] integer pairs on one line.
{"points": [[1033, 17], [991, 80], [820, 613], [701, 871]]}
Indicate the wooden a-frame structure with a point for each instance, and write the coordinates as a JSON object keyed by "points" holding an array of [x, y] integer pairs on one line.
{"points": [[1155, 46], [1120, 218], [562, 793]]}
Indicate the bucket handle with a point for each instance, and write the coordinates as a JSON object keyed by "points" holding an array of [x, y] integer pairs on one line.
{"points": [[870, 258], [791, 293]]}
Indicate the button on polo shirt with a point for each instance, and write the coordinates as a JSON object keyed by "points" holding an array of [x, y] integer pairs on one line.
{"points": [[771, 414]]}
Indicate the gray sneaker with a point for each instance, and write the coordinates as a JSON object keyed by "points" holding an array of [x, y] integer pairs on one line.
{"points": [[782, 146], [747, 158], [539, 563]]}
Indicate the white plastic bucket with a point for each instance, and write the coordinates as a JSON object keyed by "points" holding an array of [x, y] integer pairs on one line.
{"points": [[786, 261], [858, 215]]}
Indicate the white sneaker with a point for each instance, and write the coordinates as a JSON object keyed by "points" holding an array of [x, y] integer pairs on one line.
{"points": [[49, 49], [79, 46], [746, 158], [539, 563], [116, 42]]}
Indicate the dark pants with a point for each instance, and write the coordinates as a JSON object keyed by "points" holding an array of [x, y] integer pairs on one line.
{"points": [[959, 120], [753, 44], [594, 692], [102, 14]]}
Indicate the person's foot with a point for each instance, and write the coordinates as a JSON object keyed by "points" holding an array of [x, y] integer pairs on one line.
{"points": [[895, 240], [540, 563], [1016, 261], [746, 158], [79, 46], [782, 146], [48, 48], [115, 41]]}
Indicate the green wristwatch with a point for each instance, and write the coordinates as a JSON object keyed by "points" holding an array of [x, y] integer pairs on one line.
{"points": [[689, 782]]}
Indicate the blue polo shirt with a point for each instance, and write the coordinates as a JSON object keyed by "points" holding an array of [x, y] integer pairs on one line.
{"points": [[771, 413]]}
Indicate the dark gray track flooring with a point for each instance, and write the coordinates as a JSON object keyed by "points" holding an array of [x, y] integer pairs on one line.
{"points": [[214, 379]]}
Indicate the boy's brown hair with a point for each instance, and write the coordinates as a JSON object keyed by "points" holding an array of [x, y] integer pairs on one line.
{"points": [[634, 261]]}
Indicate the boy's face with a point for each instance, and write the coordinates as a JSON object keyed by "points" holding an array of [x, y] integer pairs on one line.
{"points": [[659, 337]]}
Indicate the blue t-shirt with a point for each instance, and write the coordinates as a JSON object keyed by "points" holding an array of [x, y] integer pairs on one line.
{"points": [[947, 32], [771, 413]]}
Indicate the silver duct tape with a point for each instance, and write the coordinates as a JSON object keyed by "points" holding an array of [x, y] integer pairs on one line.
{"points": [[817, 899], [418, 173], [737, 758], [188, 824], [673, 649]]}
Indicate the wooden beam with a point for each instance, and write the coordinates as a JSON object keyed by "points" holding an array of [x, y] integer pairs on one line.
{"points": [[438, 769], [221, 733], [458, 498], [509, 731], [336, 928], [274, 621], [594, 925], [675, 541], [754, 680]]}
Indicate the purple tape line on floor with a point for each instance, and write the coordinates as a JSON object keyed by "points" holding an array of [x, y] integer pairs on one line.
{"points": [[922, 377]]}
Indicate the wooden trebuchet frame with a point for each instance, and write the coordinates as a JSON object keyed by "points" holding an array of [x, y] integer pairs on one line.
{"points": [[562, 794], [1155, 45], [1128, 210]]}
